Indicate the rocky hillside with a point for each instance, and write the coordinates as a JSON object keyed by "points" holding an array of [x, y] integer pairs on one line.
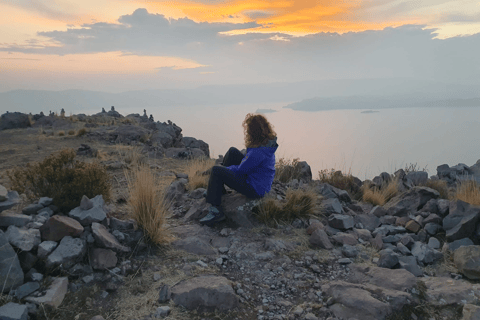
{"points": [[417, 256]]}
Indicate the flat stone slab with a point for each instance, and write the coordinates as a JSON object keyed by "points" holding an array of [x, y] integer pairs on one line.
{"points": [[32, 208], [24, 240], [54, 295], [105, 239], [26, 289], [13, 311], [58, 227], [69, 251], [194, 245], [14, 219], [206, 293], [11, 273], [442, 291]]}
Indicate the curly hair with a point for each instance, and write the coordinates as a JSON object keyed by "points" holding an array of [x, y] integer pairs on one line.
{"points": [[257, 130]]}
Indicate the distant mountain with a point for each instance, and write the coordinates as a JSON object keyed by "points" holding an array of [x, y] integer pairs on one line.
{"points": [[328, 91]]}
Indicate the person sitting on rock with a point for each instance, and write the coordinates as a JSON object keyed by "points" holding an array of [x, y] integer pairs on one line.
{"points": [[251, 175]]}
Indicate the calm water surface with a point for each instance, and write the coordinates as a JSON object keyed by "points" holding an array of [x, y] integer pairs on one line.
{"points": [[365, 143]]}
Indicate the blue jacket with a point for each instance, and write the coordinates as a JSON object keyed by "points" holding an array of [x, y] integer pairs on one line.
{"points": [[259, 166]]}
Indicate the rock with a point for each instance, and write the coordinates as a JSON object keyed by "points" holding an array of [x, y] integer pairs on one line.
{"points": [[363, 234], [467, 261], [58, 227], [432, 218], [424, 253], [409, 263], [27, 260], [458, 210], [431, 206], [197, 210], [162, 311], [13, 311], [319, 238], [98, 318], [54, 294], [45, 248], [197, 193], [24, 240], [14, 120], [87, 217], [194, 245], [368, 221], [11, 274], [434, 243], [128, 134], [306, 172], [465, 227], [310, 316], [471, 312], [123, 225], [184, 153], [417, 177], [239, 209], [377, 242], [314, 226], [432, 228], [3, 193], [162, 139], [205, 293], [410, 201], [26, 289], [164, 294], [341, 221], [345, 238], [458, 243], [32, 209], [101, 259], [330, 192], [105, 239], [388, 259], [443, 206], [12, 199], [45, 201], [175, 190], [14, 219], [190, 142], [445, 291], [412, 226], [69, 251], [378, 211], [349, 251], [85, 203], [332, 206]]}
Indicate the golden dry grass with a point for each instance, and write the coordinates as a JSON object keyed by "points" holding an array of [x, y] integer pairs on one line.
{"points": [[298, 204], [342, 181], [81, 132], [379, 196], [439, 185], [286, 170], [71, 132], [468, 191], [147, 205], [61, 133], [194, 169], [130, 155]]}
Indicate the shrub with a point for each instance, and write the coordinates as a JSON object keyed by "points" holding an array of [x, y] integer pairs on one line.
{"points": [[298, 204], [62, 178], [61, 133], [468, 191], [379, 196], [287, 170], [339, 180], [81, 132], [147, 204], [71, 132], [195, 168]]}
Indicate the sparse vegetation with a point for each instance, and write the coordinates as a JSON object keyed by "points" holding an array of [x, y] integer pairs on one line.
{"points": [[299, 203], [71, 132], [340, 180], [81, 132], [439, 185], [468, 191], [378, 196], [61, 133], [287, 170], [147, 204], [195, 168], [62, 178], [131, 155], [413, 167]]}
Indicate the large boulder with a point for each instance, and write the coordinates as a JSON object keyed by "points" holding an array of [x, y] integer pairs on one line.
{"points": [[173, 130], [190, 142], [467, 261], [15, 120], [11, 274], [410, 201], [238, 208], [205, 293], [128, 134]]}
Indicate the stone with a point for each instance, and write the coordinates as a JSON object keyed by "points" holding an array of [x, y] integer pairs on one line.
{"points": [[175, 190], [184, 153], [349, 251], [27, 260], [11, 273], [345, 238], [32, 209], [368, 221], [341, 221], [24, 240], [403, 249], [378, 211], [58, 227], [443, 206], [412, 226], [85, 203], [433, 243], [165, 294], [432, 218], [101, 259], [319, 238], [12, 200], [377, 242], [424, 253], [26, 289], [3, 193], [458, 243], [45, 248], [314, 226], [123, 225], [388, 259], [194, 245], [410, 201], [458, 210], [13, 311], [105, 239], [363, 234], [205, 293], [190, 142], [95, 214], [14, 120], [197, 193], [98, 317], [239, 209], [445, 291], [14, 219], [45, 201], [471, 312], [332, 206], [465, 228], [467, 261], [54, 294], [162, 311], [432, 228], [310, 316], [128, 134], [409, 263], [69, 251]]}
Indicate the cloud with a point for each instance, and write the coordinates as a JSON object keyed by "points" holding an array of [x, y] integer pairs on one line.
{"points": [[41, 7]]}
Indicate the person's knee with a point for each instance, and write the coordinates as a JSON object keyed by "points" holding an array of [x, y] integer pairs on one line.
{"points": [[216, 169], [232, 149]]}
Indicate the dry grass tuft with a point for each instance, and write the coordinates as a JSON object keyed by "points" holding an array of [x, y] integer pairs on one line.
{"points": [[468, 191], [380, 196], [298, 204], [131, 155], [61, 133], [147, 204], [195, 168], [81, 132], [340, 180], [287, 170], [439, 185], [71, 132]]}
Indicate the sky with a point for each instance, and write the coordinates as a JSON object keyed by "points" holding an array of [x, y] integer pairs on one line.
{"points": [[121, 45]]}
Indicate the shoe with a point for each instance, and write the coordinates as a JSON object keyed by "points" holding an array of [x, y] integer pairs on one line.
{"points": [[214, 215]]}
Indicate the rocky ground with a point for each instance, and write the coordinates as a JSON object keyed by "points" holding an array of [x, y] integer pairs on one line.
{"points": [[416, 257]]}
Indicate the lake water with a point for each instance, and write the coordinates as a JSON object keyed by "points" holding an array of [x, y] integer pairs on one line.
{"points": [[365, 143]]}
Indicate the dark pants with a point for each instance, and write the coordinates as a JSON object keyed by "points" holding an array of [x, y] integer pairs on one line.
{"points": [[221, 176]]}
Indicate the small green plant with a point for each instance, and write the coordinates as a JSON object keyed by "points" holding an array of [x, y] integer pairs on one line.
{"points": [[298, 204], [61, 177], [81, 132], [287, 170], [147, 204]]}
